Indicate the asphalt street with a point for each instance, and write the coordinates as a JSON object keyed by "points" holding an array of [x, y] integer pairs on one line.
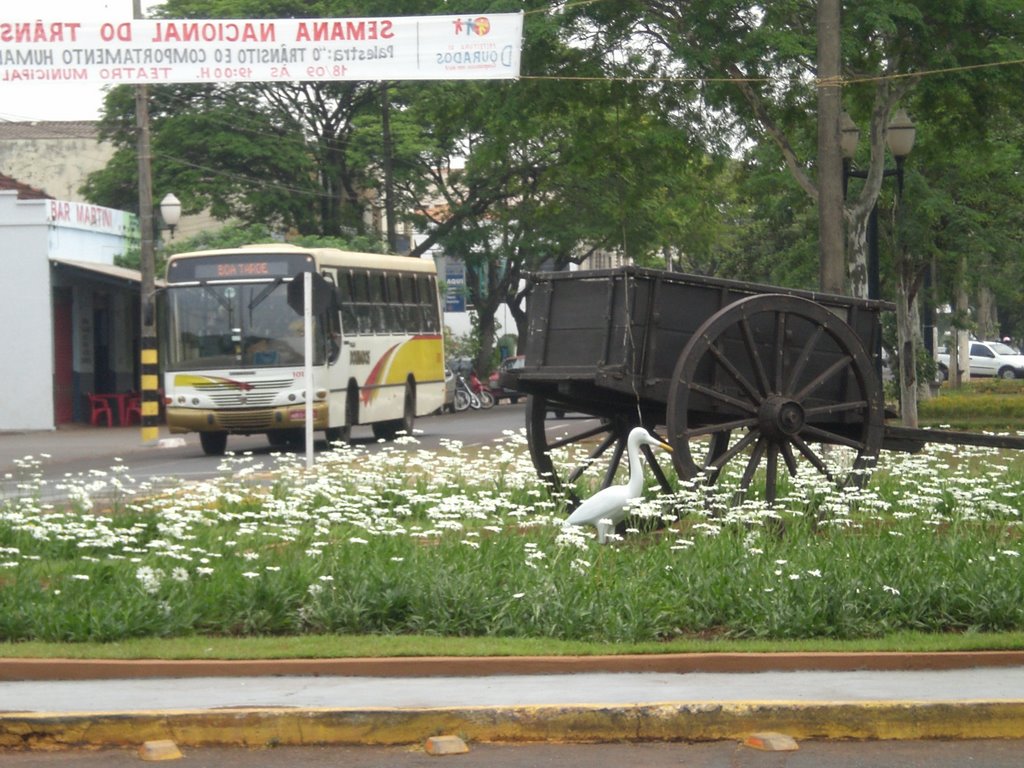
{"points": [[725, 754]]}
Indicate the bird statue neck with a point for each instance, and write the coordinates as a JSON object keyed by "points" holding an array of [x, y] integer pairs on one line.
{"points": [[636, 466]]}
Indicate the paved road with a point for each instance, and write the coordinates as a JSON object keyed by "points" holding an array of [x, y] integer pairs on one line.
{"points": [[812, 754], [79, 450]]}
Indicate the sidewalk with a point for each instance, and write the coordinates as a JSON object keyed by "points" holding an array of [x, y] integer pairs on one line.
{"points": [[867, 696]]}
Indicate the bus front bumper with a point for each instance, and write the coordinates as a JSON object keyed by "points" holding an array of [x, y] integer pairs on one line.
{"points": [[244, 421]]}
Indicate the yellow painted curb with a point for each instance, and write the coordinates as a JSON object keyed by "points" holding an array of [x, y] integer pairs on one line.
{"points": [[578, 723]]}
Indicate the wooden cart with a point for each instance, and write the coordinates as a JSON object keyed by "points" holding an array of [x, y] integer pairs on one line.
{"points": [[731, 371]]}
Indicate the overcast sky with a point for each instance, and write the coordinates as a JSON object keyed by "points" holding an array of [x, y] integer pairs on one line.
{"points": [[58, 101]]}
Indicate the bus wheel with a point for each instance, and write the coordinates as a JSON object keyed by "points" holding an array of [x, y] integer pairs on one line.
{"points": [[339, 434], [277, 438], [213, 443], [343, 434], [388, 430]]}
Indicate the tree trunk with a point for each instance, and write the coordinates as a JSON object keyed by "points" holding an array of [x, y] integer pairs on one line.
{"points": [[831, 255], [906, 321], [988, 322], [959, 355], [858, 254]]}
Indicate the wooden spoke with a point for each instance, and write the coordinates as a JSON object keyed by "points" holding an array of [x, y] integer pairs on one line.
{"points": [[722, 360], [804, 357], [755, 357], [812, 457], [610, 439], [780, 349], [724, 398], [711, 429], [741, 445], [819, 380], [771, 479], [753, 463]]}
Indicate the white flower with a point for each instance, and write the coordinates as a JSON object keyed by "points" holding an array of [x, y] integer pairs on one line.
{"points": [[251, 575], [149, 578], [890, 590], [80, 576]]}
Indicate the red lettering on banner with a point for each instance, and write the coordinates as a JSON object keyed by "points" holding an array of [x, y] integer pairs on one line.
{"points": [[214, 32], [330, 31], [38, 32]]}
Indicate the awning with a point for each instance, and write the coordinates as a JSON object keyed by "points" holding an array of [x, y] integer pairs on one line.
{"points": [[107, 273]]}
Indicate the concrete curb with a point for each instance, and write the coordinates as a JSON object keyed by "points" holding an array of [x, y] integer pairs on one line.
{"points": [[704, 720], [667, 721], [472, 666]]}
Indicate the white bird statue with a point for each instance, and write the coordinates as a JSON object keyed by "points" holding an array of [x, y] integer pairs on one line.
{"points": [[606, 508]]}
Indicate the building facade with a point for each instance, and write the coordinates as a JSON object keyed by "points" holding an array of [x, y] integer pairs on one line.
{"points": [[70, 315]]}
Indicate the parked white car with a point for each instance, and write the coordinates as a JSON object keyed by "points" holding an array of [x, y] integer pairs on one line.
{"points": [[988, 358]]}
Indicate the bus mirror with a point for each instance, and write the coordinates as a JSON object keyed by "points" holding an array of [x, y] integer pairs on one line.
{"points": [[322, 292]]}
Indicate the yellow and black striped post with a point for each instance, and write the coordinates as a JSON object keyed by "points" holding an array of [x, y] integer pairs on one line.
{"points": [[150, 380], [149, 373]]}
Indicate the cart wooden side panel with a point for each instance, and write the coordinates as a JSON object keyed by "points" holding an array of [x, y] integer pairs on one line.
{"points": [[598, 334]]}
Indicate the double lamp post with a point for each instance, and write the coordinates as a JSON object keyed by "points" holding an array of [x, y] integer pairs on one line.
{"points": [[900, 140]]}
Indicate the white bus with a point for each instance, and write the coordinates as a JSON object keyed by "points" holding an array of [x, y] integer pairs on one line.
{"points": [[233, 349]]}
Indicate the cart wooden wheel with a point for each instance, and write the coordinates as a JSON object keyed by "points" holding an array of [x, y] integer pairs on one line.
{"points": [[774, 377], [590, 439]]}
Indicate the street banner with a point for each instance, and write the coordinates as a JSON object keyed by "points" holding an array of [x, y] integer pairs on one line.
{"points": [[154, 51]]}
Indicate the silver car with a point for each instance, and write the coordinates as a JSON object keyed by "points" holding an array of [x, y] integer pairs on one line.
{"points": [[988, 358]]}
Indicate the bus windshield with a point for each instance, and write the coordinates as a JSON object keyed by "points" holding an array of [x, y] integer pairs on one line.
{"points": [[227, 325]]}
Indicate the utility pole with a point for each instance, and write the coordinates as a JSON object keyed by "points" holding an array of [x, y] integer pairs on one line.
{"points": [[389, 179], [831, 250], [149, 368]]}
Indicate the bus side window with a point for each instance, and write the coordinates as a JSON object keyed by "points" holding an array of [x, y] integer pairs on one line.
{"points": [[377, 303], [346, 301], [333, 318], [361, 284], [394, 314], [410, 305], [428, 304]]}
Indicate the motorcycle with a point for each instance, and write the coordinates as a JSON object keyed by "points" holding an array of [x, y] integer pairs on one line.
{"points": [[471, 394]]}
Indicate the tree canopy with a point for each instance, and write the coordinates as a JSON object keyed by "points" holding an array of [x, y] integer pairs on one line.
{"points": [[679, 134]]}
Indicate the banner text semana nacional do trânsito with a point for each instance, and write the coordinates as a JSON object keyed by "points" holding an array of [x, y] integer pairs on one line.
{"points": [[150, 51]]}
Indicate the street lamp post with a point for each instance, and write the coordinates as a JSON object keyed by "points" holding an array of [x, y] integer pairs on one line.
{"points": [[900, 140], [170, 211]]}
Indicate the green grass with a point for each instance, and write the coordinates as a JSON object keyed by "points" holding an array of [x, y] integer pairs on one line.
{"points": [[409, 552], [981, 404], [375, 647]]}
